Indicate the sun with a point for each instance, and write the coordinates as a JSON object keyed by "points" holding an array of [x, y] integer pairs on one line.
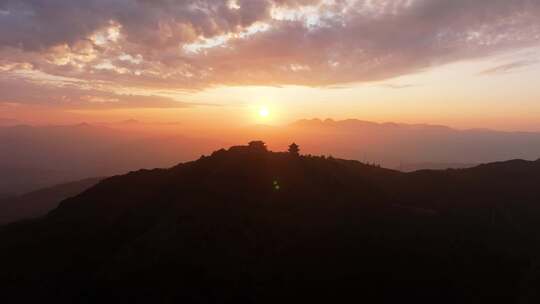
{"points": [[263, 111]]}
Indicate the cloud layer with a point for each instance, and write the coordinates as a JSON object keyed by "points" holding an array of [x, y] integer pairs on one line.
{"points": [[195, 44]]}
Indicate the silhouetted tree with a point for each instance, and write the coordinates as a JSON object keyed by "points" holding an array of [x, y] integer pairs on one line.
{"points": [[294, 149], [257, 145]]}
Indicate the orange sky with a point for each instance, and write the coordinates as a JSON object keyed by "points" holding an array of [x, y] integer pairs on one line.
{"points": [[456, 63]]}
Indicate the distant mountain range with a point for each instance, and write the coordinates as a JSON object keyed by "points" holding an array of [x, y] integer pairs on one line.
{"points": [[40, 202], [392, 144], [37, 157], [411, 167], [246, 225], [8, 122]]}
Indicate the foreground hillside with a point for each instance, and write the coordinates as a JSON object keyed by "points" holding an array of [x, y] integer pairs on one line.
{"points": [[246, 225]]}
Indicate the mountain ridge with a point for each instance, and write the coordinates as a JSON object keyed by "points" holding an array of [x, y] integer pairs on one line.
{"points": [[250, 225], [40, 202]]}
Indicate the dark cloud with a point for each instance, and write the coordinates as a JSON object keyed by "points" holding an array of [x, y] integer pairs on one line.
{"points": [[35, 25], [38, 24]]}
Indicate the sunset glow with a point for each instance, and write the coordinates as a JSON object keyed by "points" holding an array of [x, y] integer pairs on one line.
{"points": [[268, 151], [401, 61], [263, 111]]}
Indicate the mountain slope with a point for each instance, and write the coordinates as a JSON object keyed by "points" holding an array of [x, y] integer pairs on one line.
{"points": [[39, 202], [246, 225]]}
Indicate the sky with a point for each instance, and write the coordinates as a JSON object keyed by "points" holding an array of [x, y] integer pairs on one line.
{"points": [[213, 63]]}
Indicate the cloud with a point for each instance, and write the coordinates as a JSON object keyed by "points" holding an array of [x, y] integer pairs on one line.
{"points": [[508, 67], [195, 44], [397, 86], [71, 96], [376, 43], [36, 25]]}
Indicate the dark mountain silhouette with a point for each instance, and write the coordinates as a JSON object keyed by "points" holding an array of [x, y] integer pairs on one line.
{"points": [[34, 157], [40, 202], [246, 225]]}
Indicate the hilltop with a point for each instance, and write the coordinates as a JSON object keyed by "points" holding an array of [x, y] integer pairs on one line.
{"points": [[252, 226]]}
